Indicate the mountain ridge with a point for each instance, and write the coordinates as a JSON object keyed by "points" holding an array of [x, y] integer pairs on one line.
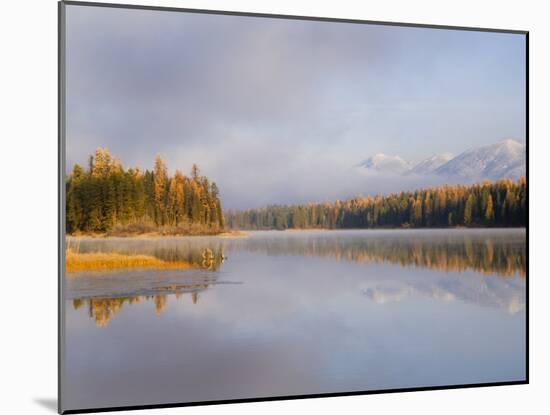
{"points": [[381, 162], [507, 158], [504, 159]]}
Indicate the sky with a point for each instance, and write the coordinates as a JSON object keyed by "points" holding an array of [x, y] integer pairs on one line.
{"points": [[282, 111]]}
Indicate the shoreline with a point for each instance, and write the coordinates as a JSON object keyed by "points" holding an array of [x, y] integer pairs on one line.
{"points": [[245, 233], [105, 235], [385, 228]]}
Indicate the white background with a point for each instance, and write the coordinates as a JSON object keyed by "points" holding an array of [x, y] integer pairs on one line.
{"points": [[28, 204]]}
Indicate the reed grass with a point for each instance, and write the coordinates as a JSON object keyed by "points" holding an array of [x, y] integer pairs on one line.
{"points": [[76, 261], [98, 261]]}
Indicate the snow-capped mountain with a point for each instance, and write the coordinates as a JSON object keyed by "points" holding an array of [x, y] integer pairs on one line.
{"points": [[382, 163], [427, 166], [504, 159]]}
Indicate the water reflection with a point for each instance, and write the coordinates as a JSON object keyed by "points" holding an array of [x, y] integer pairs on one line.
{"points": [[504, 294], [106, 293], [206, 253], [493, 252], [298, 313], [489, 252], [102, 310]]}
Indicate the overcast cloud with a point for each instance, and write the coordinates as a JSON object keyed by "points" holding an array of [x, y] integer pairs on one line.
{"points": [[280, 111]]}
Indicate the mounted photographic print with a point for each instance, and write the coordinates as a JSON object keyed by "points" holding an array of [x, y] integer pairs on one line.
{"points": [[258, 207]]}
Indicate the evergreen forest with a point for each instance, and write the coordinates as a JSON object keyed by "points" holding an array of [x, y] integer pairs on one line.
{"points": [[106, 198], [489, 204]]}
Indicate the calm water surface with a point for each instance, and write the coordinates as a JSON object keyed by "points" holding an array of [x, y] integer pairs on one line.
{"points": [[292, 313]]}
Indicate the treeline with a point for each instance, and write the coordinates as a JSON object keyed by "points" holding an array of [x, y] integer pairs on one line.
{"points": [[502, 203], [105, 197]]}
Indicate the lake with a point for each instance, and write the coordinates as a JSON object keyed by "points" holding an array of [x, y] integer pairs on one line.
{"points": [[296, 312]]}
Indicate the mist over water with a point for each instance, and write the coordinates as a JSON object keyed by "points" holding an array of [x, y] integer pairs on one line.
{"points": [[286, 313]]}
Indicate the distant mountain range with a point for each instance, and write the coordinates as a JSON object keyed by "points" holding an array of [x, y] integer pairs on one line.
{"points": [[505, 159], [383, 163], [429, 165]]}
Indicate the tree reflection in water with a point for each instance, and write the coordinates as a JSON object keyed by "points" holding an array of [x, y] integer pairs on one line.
{"points": [[455, 252], [102, 310], [485, 251], [492, 252]]}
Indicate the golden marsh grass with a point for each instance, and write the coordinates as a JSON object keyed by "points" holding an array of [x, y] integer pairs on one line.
{"points": [[98, 261], [76, 261]]}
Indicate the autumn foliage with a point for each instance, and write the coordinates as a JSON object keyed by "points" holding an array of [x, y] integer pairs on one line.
{"points": [[108, 198], [500, 203]]}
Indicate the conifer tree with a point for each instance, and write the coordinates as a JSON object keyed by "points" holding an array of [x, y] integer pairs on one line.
{"points": [[107, 196], [468, 208], [502, 203], [489, 212], [160, 186]]}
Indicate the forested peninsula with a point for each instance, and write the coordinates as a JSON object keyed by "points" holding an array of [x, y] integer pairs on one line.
{"points": [[108, 199], [487, 204]]}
